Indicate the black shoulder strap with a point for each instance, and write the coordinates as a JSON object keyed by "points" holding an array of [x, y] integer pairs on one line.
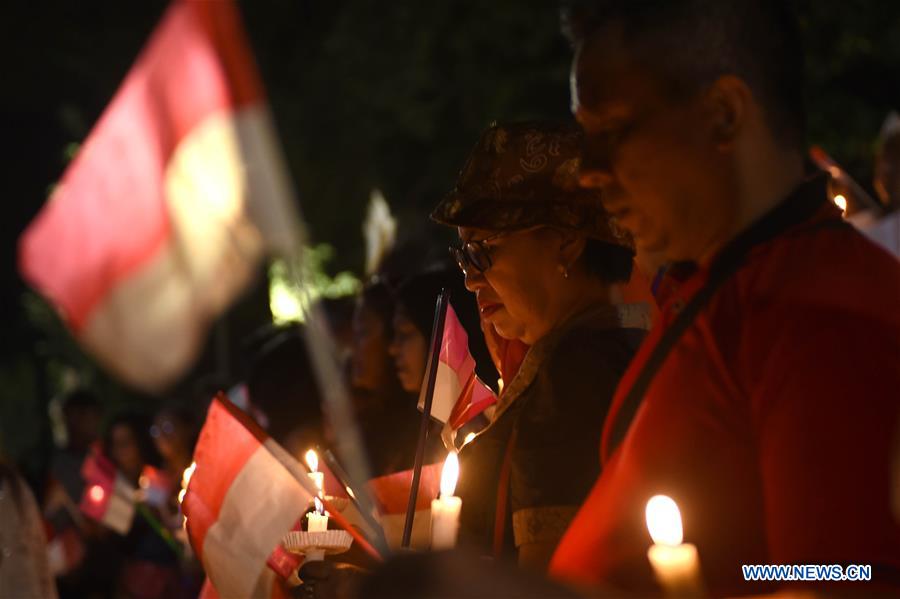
{"points": [[800, 206]]}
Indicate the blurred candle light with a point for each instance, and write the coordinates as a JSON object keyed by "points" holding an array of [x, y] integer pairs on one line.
{"points": [[96, 493], [186, 480], [841, 202], [676, 564], [318, 478], [445, 509]]}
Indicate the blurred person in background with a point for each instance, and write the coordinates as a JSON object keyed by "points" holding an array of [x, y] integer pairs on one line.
{"points": [[387, 415], [24, 571], [149, 562], [547, 268], [887, 163], [282, 385], [413, 320], [81, 554], [174, 432], [82, 415]]}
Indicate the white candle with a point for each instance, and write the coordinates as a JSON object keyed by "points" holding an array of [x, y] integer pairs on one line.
{"points": [[318, 478], [675, 564], [445, 509], [316, 522]]}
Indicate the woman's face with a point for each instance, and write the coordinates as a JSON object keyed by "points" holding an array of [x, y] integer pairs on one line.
{"points": [[170, 437], [520, 294], [409, 348], [124, 451], [370, 361]]}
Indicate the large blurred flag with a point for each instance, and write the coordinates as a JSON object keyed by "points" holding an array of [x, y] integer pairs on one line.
{"points": [[161, 218], [459, 395], [239, 504]]}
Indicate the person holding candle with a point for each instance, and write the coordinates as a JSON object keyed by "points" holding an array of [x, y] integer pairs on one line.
{"points": [[765, 401], [548, 270]]}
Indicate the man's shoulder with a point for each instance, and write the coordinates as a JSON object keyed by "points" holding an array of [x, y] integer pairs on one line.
{"points": [[831, 268]]}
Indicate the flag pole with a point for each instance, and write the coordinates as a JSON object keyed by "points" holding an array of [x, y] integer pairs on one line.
{"points": [[437, 337], [344, 479], [287, 238]]}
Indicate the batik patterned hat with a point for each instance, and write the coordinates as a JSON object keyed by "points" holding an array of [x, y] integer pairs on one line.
{"points": [[521, 175]]}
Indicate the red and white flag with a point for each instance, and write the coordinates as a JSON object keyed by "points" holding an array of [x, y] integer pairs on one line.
{"points": [[162, 217], [391, 494], [459, 395], [240, 502], [108, 498]]}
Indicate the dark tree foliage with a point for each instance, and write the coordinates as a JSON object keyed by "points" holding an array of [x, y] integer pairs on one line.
{"points": [[365, 94]]}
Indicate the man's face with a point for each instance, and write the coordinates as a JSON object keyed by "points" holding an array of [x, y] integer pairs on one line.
{"points": [[653, 158]]}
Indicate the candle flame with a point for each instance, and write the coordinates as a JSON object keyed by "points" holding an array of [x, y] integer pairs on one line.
{"points": [[97, 493], [449, 475], [841, 202], [469, 438], [187, 474], [664, 521], [320, 507], [312, 460]]}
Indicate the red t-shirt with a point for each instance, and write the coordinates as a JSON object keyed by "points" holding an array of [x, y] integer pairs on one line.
{"points": [[772, 422]]}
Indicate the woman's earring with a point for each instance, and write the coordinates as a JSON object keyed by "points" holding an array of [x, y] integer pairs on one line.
{"points": [[564, 271]]}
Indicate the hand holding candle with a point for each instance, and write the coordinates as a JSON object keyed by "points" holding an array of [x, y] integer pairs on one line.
{"points": [[676, 564], [445, 509]]}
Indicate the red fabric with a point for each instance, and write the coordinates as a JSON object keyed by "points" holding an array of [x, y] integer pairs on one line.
{"points": [[108, 218], [226, 443], [391, 492], [475, 398], [98, 472], [770, 423]]}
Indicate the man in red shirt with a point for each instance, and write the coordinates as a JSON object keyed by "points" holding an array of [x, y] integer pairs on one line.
{"points": [[766, 402]]}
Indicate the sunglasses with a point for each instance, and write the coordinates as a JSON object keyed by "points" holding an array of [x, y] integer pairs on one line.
{"points": [[475, 253]]}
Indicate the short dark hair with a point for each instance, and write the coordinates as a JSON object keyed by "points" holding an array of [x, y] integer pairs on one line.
{"points": [[80, 400], [700, 40], [608, 262]]}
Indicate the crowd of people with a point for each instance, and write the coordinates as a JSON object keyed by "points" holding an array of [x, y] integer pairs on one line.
{"points": [[664, 299]]}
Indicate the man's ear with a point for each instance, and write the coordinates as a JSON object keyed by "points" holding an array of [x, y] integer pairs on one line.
{"points": [[727, 103]]}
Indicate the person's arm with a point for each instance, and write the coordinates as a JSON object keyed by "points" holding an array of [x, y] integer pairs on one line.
{"points": [[827, 412]]}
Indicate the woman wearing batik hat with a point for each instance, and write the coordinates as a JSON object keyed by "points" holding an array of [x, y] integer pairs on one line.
{"points": [[547, 267]]}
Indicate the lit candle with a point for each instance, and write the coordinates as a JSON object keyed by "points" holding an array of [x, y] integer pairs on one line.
{"points": [[445, 509], [676, 564], [317, 521], [318, 478], [97, 494], [841, 202]]}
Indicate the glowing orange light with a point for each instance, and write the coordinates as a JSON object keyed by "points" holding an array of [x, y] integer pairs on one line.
{"points": [[96, 493], [187, 474], [312, 460], [449, 475], [841, 202], [664, 521]]}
